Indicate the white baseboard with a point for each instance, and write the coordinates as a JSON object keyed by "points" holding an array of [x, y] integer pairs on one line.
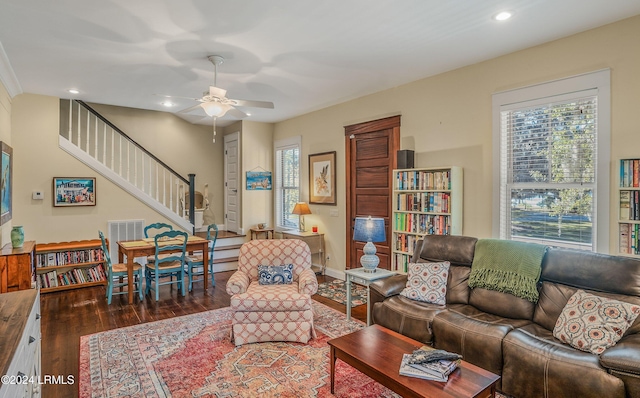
{"points": [[221, 267], [338, 274]]}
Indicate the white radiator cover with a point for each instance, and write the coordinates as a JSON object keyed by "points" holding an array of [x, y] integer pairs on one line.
{"points": [[123, 230]]}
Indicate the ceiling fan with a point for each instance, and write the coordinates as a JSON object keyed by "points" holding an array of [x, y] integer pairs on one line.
{"points": [[215, 102]]}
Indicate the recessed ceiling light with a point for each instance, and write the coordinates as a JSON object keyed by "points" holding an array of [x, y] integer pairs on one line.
{"points": [[73, 91], [502, 16], [248, 114], [167, 104]]}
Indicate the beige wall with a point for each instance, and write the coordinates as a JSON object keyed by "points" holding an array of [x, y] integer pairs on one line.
{"points": [[446, 119], [257, 155], [5, 136], [37, 159]]}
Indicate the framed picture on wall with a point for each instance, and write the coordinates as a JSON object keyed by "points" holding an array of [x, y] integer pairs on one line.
{"points": [[74, 191], [6, 183], [322, 178], [258, 180]]}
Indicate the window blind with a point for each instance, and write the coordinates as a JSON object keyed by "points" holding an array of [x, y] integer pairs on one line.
{"points": [[287, 184], [548, 170]]}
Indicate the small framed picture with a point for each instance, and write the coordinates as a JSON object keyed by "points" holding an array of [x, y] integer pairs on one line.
{"points": [[322, 178], [258, 180], [74, 191]]}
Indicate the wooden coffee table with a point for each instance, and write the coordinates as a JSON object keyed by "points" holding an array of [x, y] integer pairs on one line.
{"points": [[377, 352]]}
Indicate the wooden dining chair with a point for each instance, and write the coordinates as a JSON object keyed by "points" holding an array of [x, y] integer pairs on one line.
{"points": [[152, 230], [119, 272], [170, 253], [195, 262]]}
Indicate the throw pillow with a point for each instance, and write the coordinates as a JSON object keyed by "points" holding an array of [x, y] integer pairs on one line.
{"points": [[593, 323], [427, 282], [275, 274]]}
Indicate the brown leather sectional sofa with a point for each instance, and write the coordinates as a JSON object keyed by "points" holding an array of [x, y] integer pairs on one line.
{"points": [[513, 337]]}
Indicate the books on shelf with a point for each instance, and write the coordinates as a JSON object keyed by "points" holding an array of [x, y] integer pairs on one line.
{"points": [[630, 173], [629, 238], [423, 180], [74, 276], [428, 202], [59, 258]]}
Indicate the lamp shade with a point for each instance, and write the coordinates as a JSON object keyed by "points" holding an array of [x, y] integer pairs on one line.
{"points": [[369, 229], [301, 208], [215, 109]]}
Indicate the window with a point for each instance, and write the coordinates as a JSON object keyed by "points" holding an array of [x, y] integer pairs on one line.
{"points": [[552, 146], [287, 181]]}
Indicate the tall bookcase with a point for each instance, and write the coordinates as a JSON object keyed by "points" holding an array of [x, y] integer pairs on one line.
{"points": [[425, 202], [70, 265], [629, 205]]}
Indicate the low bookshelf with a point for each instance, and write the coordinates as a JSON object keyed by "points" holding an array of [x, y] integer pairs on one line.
{"points": [[70, 265]]}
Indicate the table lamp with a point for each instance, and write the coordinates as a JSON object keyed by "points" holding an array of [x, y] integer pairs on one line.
{"points": [[368, 229], [301, 208]]}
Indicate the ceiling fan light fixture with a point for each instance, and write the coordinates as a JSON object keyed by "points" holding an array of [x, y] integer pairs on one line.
{"points": [[215, 109], [503, 16]]}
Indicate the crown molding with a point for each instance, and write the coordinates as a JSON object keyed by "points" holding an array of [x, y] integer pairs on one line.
{"points": [[7, 76]]}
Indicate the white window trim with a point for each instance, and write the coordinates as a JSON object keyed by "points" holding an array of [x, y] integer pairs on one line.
{"points": [[286, 143], [598, 80]]}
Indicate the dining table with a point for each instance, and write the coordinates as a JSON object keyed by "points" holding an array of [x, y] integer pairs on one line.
{"points": [[147, 247]]}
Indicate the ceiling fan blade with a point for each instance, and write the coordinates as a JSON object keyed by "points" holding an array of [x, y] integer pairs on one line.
{"points": [[236, 113], [217, 92], [190, 109], [176, 96], [253, 104]]}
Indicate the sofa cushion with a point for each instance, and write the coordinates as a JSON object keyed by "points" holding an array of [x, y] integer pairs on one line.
{"points": [[501, 304], [270, 298], [593, 323], [427, 282], [538, 365], [405, 316], [478, 341], [592, 271], [275, 274], [458, 250]]}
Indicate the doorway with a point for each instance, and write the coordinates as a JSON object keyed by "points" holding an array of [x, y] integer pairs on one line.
{"points": [[232, 208], [371, 155]]}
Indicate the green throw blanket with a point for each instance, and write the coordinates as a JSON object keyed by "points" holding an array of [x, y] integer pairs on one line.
{"points": [[507, 266]]}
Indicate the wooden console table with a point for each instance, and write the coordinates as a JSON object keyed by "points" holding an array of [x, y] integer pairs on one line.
{"points": [[316, 244], [257, 232]]}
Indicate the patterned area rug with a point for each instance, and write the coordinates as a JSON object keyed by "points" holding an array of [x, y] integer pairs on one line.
{"points": [[193, 356], [336, 291]]}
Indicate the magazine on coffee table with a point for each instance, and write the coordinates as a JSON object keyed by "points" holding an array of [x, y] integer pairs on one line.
{"points": [[411, 371], [440, 368]]}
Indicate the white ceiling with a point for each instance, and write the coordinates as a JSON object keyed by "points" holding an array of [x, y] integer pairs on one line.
{"points": [[302, 55]]}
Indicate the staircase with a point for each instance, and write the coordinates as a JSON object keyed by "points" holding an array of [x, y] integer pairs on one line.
{"points": [[96, 142], [225, 254]]}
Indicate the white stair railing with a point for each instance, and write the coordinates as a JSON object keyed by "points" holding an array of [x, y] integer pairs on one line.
{"points": [[92, 139]]}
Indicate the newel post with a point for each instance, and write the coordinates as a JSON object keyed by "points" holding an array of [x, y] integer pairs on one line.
{"points": [[192, 201]]}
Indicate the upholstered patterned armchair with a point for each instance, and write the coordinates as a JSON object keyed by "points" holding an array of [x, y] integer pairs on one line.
{"points": [[278, 312]]}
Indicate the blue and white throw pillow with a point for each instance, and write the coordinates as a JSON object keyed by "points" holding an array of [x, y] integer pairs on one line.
{"points": [[275, 274]]}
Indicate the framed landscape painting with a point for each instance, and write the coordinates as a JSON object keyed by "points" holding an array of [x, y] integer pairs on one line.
{"points": [[72, 191], [322, 178], [6, 183]]}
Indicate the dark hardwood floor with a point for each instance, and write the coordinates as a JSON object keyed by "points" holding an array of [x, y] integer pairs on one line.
{"points": [[67, 315]]}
